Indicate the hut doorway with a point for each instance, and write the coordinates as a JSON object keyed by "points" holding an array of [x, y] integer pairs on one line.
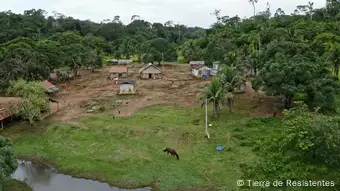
{"points": [[150, 75]]}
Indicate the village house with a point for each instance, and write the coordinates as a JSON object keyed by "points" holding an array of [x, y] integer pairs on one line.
{"points": [[118, 72], [150, 71], [203, 72], [196, 64], [127, 87], [50, 88], [6, 115]]}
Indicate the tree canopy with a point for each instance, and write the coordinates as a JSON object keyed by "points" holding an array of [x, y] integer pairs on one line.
{"points": [[8, 161]]}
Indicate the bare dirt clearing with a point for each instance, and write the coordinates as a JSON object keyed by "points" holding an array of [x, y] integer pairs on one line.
{"points": [[176, 87]]}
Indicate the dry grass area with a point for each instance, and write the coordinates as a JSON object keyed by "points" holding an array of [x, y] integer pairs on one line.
{"points": [[177, 87]]}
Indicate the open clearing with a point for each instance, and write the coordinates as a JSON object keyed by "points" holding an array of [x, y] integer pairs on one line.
{"points": [[127, 151], [177, 87]]}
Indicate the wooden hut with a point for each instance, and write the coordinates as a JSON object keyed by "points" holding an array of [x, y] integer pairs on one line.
{"points": [[118, 72], [150, 71], [6, 115], [127, 87], [50, 88]]}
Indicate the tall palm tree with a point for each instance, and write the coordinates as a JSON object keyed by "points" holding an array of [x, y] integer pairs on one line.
{"points": [[213, 93], [230, 78]]}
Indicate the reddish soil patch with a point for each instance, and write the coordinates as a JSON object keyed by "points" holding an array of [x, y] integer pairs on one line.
{"points": [[257, 104]]}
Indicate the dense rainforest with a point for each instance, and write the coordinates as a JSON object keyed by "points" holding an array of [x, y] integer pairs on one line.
{"points": [[295, 56], [34, 45]]}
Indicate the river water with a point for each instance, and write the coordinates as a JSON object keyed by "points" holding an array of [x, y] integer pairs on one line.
{"points": [[48, 179]]}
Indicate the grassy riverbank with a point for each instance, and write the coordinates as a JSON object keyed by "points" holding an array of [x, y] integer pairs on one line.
{"points": [[127, 152], [14, 185]]}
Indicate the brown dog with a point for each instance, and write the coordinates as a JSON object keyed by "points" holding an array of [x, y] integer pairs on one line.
{"points": [[172, 152]]}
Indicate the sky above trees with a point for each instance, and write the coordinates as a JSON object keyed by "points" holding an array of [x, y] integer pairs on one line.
{"points": [[188, 12]]}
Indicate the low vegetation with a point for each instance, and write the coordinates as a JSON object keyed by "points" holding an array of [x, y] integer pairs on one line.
{"points": [[129, 149], [8, 162], [33, 100], [14, 185]]}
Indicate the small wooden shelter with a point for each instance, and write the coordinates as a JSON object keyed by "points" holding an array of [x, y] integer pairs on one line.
{"points": [[6, 114], [127, 87], [150, 71], [50, 88], [118, 72]]}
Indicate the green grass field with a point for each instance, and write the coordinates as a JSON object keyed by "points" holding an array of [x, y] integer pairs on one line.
{"points": [[127, 152], [14, 185]]}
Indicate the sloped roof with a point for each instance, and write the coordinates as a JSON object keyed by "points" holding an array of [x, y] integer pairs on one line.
{"points": [[204, 68], [196, 66], [5, 103], [125, 61], [196, 62], [145, 67], [122, 62], [118, 69], [133, 82], [49, 86]]}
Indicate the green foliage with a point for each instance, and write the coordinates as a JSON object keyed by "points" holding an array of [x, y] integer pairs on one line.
{"points": [[305, 149], [8, 161], [33, 99], [30, 108], [289, 76], [23, 88], [33, 45], [14, 185], [231, 78], [312, 136], [191, 50], [94, 137], [214, 93]]}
